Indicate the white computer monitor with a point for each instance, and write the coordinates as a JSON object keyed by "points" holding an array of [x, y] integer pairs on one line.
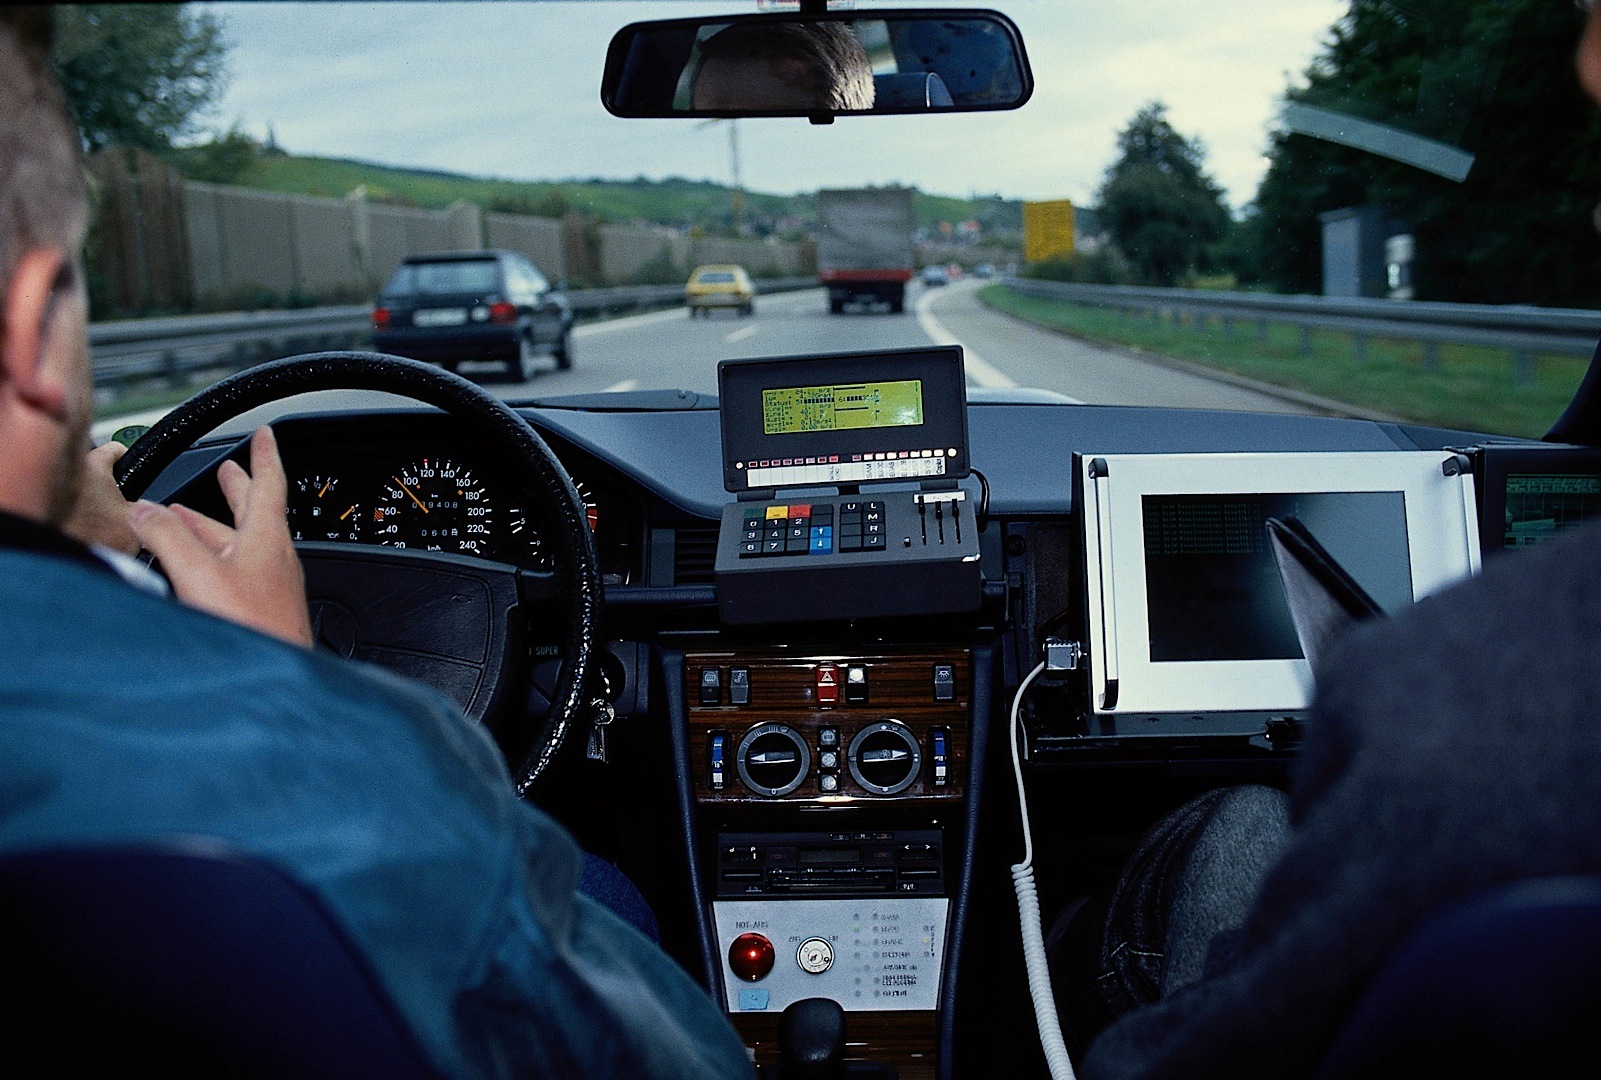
{"points": [[1186, 611]]}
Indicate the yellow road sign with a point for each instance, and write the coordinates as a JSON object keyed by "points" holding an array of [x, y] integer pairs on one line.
{"points": [[1047, 229]]}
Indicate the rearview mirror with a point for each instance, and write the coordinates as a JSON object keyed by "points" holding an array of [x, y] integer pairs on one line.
{"points": [[817, 66]]}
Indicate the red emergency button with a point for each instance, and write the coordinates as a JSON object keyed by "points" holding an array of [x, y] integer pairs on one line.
{"points": [[827, 684], [751, 956]]}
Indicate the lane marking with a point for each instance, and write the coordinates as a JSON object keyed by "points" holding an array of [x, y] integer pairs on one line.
{"points": [[629, 322], [978, 370], [740, 335], [621, 387]]}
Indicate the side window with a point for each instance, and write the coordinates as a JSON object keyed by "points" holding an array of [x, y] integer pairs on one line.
{"points": [[402, 282], [536, 280], [511, 274]]}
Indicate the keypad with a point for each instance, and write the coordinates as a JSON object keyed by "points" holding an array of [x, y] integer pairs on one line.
{"points": [[813, 528]]}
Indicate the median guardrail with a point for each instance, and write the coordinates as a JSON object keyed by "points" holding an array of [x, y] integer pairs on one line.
{"points": [[178, 349], [1523, 330]]}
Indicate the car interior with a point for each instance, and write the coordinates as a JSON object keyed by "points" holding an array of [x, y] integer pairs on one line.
{"points": [[815, 659]]}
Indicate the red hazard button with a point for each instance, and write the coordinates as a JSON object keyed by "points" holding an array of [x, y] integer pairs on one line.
{"points": [[827, 684]]}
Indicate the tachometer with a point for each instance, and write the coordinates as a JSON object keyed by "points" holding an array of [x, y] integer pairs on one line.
{"points": [[524, 537], [319, 509], [436, 505]]}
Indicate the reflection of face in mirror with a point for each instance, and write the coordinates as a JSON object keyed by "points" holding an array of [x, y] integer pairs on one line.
{"points": [[784, 66]]}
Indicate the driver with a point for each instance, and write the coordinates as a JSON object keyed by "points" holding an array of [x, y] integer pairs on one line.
{"points": [[784, 66], [130, 718]]}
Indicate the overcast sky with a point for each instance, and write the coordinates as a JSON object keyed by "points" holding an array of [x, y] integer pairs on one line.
{"points": [[512, 90]]}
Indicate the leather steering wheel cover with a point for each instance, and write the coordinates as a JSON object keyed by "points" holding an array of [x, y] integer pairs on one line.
{"points": [[538, 475]]}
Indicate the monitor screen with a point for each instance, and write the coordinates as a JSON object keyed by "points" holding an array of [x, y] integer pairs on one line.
{"points": [[1213, 590], [844, 418], [1535, 493], [793, 409], [1185, 609]]}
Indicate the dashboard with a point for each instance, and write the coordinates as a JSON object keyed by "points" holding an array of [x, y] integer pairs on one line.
{"points": [[819, 805]]}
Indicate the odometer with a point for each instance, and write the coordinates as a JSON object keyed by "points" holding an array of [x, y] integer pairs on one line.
{"points": [[436, 505]]}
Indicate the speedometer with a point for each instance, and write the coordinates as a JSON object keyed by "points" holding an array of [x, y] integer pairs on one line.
{"points": [[436, 505]]}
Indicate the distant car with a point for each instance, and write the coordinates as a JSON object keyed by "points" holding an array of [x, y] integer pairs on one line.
{"points": [[722, 286], [935, 275], [474, 305], [984, 270]]}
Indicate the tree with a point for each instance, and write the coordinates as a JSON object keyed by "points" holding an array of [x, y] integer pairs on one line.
{"points": [[1157, 203], [139, 74], [226, 159], [1493, 77]]}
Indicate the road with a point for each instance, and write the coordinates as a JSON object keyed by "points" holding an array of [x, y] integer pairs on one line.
{"points": [[669, 349]]}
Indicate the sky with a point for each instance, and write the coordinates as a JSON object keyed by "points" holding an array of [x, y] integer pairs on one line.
{"points": [[513, 90]]}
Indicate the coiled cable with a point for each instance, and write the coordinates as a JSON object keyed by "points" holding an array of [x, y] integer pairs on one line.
{"points": [[1028, 912]]}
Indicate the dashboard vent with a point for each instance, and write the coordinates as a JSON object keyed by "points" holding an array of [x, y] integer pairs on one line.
{"points": [[695, 556]]}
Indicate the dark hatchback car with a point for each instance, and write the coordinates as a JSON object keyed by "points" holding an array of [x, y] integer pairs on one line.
{"points": [[481, 305]]}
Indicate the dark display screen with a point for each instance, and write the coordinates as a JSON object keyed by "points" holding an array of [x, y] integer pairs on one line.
{"points": [[1212, 585], [1540, 505]]}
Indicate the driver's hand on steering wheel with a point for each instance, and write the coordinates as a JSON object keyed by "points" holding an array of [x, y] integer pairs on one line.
{"points": [[100, 513], [248, 574]]}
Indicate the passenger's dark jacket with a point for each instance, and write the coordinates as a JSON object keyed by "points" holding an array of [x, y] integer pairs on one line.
{"points": [[1452, 748]]}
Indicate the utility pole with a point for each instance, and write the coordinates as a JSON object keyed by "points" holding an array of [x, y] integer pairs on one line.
{"points": [[734, 167], [739, 183]]}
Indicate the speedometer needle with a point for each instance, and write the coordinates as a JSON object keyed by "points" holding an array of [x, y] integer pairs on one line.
{"points": [[407, 490]]}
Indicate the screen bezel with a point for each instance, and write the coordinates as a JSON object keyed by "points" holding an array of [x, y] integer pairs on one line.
{"points": [[1442, 548], [740, 384], [1496, 463]]}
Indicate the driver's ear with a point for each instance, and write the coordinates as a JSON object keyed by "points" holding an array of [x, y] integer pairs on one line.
{"points": [[40, 278]]}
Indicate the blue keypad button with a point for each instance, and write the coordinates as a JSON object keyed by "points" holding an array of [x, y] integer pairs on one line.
{"points": [[753, 999]]}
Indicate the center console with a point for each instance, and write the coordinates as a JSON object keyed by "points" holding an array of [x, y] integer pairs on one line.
{"points": [[827, 787], [829, 790]]}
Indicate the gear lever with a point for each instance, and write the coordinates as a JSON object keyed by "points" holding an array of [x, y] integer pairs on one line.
{"points": [[811, 1040]]}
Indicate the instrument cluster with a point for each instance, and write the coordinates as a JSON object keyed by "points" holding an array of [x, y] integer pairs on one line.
{"points": [[421, 502]]}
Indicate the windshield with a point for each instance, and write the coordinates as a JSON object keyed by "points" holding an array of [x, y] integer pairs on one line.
{"points": [[1132, 235]]}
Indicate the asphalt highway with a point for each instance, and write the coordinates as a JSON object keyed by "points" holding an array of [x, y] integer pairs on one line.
{"points": [[668, 349]]}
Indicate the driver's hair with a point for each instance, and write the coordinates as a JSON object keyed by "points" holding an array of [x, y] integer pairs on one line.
{"points": [[839, 77], [42, 192]]}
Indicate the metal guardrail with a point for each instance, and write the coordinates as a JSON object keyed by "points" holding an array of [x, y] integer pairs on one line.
{"points": [[1523, 330], [175, 349]]}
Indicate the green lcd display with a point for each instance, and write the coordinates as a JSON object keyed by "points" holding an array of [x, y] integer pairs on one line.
{"points": [[1540, 505], [795, 409]]}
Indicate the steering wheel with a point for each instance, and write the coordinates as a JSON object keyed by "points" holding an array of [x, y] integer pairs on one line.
{"points": [[450, 620]]}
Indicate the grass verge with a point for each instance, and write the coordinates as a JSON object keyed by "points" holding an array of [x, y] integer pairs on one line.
{"points": [[1469, 387]]}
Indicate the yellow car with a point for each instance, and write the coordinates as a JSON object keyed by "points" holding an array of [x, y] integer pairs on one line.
{"points": [[720, 286]]}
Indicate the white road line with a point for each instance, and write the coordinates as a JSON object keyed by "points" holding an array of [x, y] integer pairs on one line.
{"points": [[978, 371], [620, 387], [740, 335], [629, 322]]}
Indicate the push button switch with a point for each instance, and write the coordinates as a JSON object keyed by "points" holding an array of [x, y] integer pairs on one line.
{"points": [[856, 685], [711, 686], [944, 682], [827, 684], [739, 686]]}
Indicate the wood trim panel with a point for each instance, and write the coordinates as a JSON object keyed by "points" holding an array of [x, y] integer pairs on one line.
{"points": [[783, 690], [906, 1040]]}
